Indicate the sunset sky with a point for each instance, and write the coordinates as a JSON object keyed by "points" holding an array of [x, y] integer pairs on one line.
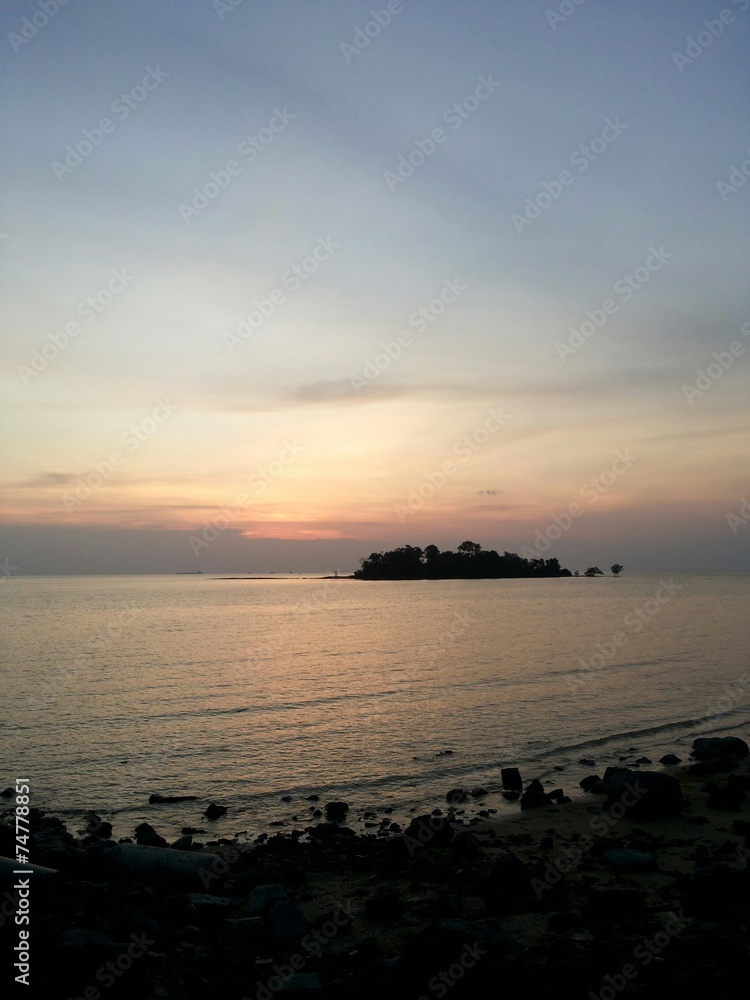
{"points": [[219, 220]]}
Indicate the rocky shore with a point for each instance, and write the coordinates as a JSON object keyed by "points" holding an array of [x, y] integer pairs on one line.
{"points": [[641, 888]]}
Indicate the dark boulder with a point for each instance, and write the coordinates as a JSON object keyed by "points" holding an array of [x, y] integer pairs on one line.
{"points": [[286, 922], [511, 779], [669, 760], [705, 767], [592, 783], [337, 810], [97, 826], [147, 836], [642, 794], [727, 797], [210, 909], [329, 832], [386, 904], [428, 831], [714, 887], [535, 785], [617, 902], [456, 796], [213, 811], [508, 879], [263, 897], [532, 799], [627, 862], [489, 956], [719, 748]]}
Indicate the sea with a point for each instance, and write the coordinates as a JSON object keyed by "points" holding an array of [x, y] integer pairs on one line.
{"points": [[259, 693]]}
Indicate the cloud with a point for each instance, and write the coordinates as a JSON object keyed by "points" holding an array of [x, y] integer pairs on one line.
{"points": [[44, 479]]}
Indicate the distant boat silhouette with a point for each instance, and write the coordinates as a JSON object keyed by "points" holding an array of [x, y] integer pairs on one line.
{"points": [[188, 572]]}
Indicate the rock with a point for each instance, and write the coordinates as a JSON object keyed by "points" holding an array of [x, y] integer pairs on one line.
{"points": [[79, 937], [643, 760], [286, 921], [643, 794], [641, 840], [719, 747], [557, 795], [592, 783], [508, 877], [243, 931], [601, 844], [428, 831], [443, 905], [263, 896], [617, 902], [714, 886], [629, 862], [535, 785], [337, 810], [478, 793], [534, 800], [156, 799], [512, 796], [727, 797], [329, 831], [313, 798], [705, 767], [146, 836], [456, 796], [511, 779], [669, 760], [301, 984], [8, 793], [208, 907], [490, 958], [385, 904], [98, 826], [182, 843], [213, 811], [587, 762]]}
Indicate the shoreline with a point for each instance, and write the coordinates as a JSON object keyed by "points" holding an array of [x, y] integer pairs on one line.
{"points": [[554, 899]]}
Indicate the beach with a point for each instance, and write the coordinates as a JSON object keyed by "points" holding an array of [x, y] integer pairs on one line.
{"points": [[640, 887]]}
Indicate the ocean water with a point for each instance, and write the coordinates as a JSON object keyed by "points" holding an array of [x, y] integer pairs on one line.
{"points": [[244, 691]]}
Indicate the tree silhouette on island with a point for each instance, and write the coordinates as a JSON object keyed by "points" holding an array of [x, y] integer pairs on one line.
{"points": [[469, 562]]}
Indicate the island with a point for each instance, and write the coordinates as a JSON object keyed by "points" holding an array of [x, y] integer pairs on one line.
{"points": [[469, 562]]}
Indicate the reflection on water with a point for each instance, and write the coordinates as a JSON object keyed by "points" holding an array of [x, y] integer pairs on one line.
{"points": [[244, 690]]}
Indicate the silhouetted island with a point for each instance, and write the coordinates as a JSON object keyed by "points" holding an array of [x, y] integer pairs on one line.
{"points": [[469, 562]]}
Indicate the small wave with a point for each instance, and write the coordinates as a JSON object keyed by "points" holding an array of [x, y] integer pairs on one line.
{"points": [[631, 734]]}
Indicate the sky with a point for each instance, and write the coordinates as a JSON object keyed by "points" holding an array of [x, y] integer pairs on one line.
{"points": [[289, 281]]}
